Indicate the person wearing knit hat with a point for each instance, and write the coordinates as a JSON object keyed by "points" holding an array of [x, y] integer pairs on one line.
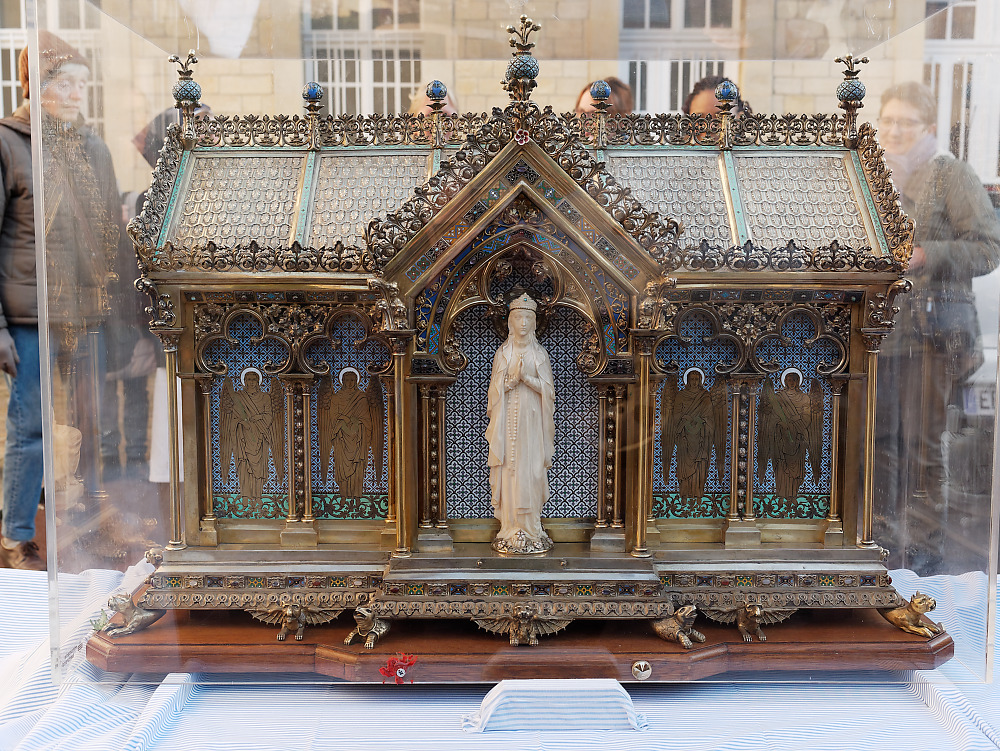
{"points": [[81, 212], [53, 54]]}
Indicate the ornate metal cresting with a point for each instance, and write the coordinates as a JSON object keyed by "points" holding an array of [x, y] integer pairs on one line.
{"points": [[333, 355]]}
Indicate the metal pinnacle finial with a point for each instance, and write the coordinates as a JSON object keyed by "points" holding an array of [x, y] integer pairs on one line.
{"points": [[519, 36], [523, 68], [850, 93], [851, 62], [187, 94], [184, 72]]}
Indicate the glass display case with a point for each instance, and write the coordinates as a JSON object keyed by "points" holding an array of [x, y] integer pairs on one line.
{"points": [[429, 377]]}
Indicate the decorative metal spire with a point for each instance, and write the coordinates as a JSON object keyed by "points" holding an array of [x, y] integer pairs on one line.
{"points": [[312, 95], [523, 68], [728, 94], [600, 92], [437, 92], [850, 93], [187, 96]]}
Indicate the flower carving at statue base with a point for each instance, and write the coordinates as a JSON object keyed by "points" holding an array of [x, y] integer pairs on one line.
{"points": [[522, 544]]}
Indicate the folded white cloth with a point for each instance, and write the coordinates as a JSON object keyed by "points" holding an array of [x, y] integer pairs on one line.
{"points": [[583, 705]]}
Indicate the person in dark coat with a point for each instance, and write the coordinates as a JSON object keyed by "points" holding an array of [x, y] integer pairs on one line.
{"points": [[82, 230]]}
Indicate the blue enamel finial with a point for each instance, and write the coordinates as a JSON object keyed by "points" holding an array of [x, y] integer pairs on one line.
{"points": [[727, 91], [851, 90], [312, 92], [186, 91], [600, 91], [436, 91], [522, 66]]}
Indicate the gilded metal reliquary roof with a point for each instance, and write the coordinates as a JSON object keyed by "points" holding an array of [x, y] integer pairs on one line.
{"points": [[345, 194]]}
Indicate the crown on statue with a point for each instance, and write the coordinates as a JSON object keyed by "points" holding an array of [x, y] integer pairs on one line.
{"points": [[524, 302]]}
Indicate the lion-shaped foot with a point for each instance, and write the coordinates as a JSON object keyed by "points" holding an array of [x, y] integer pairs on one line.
{"points": [[369, 627], [908, 617], [136, 617], [679, 627]]}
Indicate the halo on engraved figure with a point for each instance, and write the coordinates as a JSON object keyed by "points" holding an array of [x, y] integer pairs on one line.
{"points": [[689, 371], [357, 375], [788, 371], [243, 376]]}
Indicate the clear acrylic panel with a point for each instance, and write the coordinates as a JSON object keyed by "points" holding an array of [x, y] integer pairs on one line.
{"points": [[229, 536]]}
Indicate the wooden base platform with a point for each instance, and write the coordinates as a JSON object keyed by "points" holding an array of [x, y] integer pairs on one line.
{"points": [[457, 651]]}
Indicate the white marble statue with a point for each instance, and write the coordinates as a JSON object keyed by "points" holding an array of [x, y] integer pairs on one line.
{"points": [[520, 405]]}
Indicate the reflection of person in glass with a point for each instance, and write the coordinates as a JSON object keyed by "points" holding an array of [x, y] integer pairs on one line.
{"points": [[701, 99], [936, 344], [621, 101], [81, 229], [521, 431]]}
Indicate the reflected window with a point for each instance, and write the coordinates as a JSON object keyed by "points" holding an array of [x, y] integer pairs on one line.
{"points": [[634, 14], [950, 20], [11, 95], [686, 14], [365, 53]]}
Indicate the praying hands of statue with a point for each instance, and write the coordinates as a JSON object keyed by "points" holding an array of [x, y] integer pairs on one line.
{"points": [[514, 376], [528, 376]]}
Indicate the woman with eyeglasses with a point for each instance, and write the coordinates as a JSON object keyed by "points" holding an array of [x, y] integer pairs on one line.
{"points": [[937, 343]]}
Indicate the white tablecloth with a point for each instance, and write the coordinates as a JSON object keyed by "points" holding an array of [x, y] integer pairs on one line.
{"points": [[943, 709]]}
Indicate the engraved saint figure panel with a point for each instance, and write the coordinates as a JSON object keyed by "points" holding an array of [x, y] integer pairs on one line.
{"points": [[252, 431], [790, 432], [348, 426], [694, 425], [351, 431]]}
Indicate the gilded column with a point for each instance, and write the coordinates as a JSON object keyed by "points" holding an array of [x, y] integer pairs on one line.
{"points": [[300, 528], [307, 499], [390, 514], [643, 343], [403, 462], [879, 322], [605, 475], [873, 344], [749, 408], [609, 533], [741, 521], [290, 447], [835, 527], [424, 391], [169, 337], [733, 392], [209, 534], [620, 437], [439, 445]]}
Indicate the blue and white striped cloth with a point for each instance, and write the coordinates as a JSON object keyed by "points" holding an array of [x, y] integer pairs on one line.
{"points": [[944, 709]]}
